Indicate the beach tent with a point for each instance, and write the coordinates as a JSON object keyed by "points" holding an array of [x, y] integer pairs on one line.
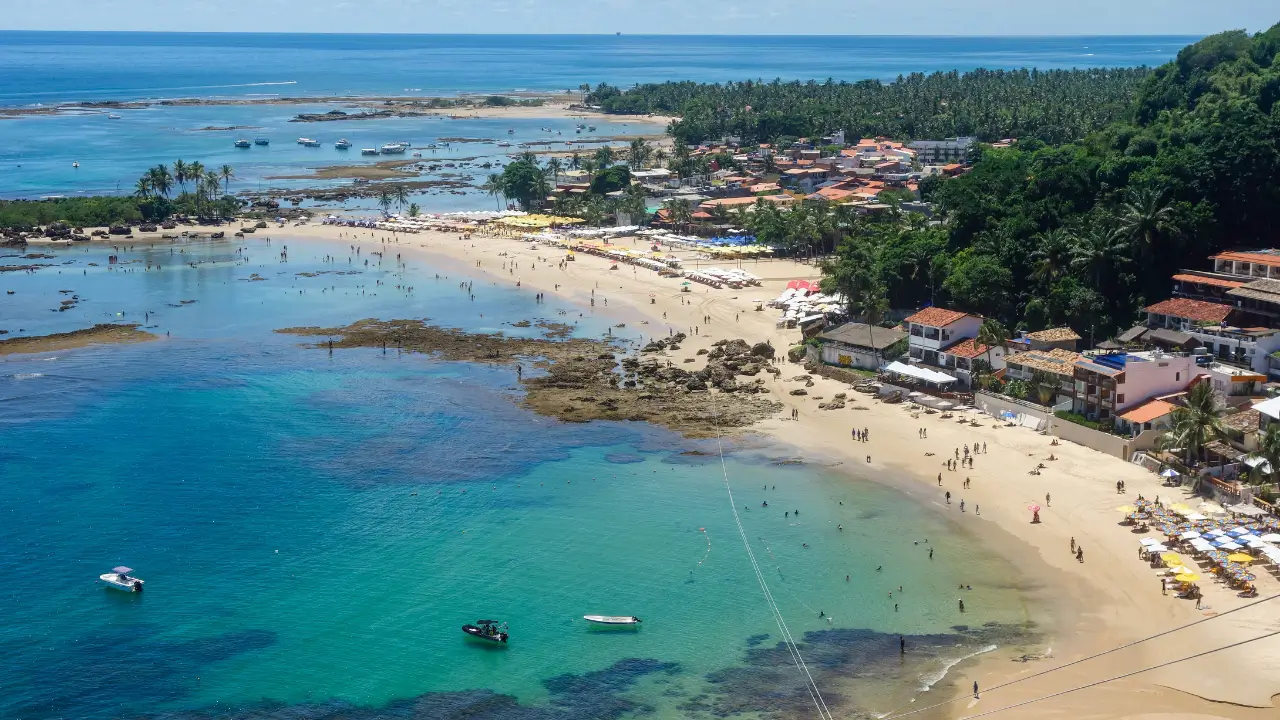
{"points": [[919, 373], [1190, 535], [1169, 472]]}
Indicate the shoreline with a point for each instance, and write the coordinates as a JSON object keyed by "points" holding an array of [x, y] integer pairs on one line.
{"points": [[554, 105], [1110, 599]]}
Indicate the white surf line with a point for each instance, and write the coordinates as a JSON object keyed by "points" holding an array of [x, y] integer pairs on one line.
{"points": [[788, 640]]}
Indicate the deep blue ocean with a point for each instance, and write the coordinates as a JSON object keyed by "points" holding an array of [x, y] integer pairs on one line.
{"points": [[48, 67], [40, 154]]}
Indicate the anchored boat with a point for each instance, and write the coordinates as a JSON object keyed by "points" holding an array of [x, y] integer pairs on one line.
{"points": [[343, 144], [488, 630], [120, 579], [242, 143], [612, 619]]}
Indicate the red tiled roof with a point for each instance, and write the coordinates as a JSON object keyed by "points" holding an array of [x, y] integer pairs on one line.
{"points": [[1215, 282], [1249, 257], [936, 317], [967, 348], [1147, 411], [1196, 310]]}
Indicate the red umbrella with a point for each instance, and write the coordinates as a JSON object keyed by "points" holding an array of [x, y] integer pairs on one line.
{"points": [[1033, 508]]}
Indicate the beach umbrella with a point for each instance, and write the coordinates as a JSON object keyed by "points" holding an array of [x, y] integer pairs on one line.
{"points": [[1127, 509], [1187, 577], [1196, 517], [1148, 541], [1171, 559], [1231, 546], [1192, 535], [1169, 472], [1240, 558], [1271, 537], [1156, 548], [1181, 570]]}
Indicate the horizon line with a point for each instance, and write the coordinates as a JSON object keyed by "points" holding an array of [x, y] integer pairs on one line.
{"points": [[620, 34]]}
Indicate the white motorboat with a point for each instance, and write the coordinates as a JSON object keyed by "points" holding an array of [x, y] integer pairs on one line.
{"points": [[393, 149], [242, 143], [343, 144], [113, 116], [504, 143], [612, 619], [120, 579], [308, 142]]}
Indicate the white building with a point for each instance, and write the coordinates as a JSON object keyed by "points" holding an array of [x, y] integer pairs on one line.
{"points": [[1107, 385], [943, 151], [945, 339]]}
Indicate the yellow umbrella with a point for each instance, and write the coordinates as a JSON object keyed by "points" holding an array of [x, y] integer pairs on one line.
{"points": [[1187, 577], [1171, 559], [1240, 558], [1127, 509], [1180, 508]]}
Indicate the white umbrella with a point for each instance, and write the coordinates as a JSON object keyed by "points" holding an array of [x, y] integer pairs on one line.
{"points": [[1181, 570], [1196, 516], [1271, 537], [1189, 535], [944, 405], [1257, 544], [1149, 541], [1169, 472], [1157, 548]]}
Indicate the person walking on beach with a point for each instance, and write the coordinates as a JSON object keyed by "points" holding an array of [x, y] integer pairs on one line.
{"points": [[975, 690], [962, 605], [939, 479], [1079, 553], [930, 553], [948, 497], [1046, 499], [1073, 543]]}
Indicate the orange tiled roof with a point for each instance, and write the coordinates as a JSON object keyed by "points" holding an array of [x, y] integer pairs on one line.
{"points": [[967, 348], [936, 317], [1196, 310], [1215, 282], [1250, 257], [1147, 411], [1054, 334]]}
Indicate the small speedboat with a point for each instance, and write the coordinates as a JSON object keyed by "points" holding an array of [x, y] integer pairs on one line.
{"points": [[242, 143], [343, 144], [612, 619], [488, 630], [368, 151], [120, 579], [113, 116], [261, 141], [75, 164]]}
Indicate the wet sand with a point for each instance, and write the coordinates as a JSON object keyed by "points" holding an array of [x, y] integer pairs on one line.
{"points": [[1109, 599]]}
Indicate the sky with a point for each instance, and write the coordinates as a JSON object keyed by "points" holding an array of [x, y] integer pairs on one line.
{"points": [[730, 17]]}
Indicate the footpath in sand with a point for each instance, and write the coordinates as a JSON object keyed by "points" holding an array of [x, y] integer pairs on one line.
{"points": [[1109, 599]]}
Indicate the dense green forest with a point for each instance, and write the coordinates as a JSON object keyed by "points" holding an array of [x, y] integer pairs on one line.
{"points": [[1053, 106], [1086, 233]]}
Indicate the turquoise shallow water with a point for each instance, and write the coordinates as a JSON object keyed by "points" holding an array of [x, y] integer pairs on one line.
{"points": [[314, 529]]}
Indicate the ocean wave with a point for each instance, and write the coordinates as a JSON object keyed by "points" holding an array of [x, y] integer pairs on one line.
{"points": [[27, 376], [928, 680]]}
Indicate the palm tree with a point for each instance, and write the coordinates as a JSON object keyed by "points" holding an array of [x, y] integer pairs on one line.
{"points": [[604, 157], [414, 210], [1045, 384], [589, 166], [1194, 425], [493, 186], [1269, 449], [575, 161], [385, 201], [1052, 257], [993, 335], [211, 182], [638, 154], [555, 165], [195, 173], [874, 304], [1144, 217], [180, 174], [402, 196], [1097, 252], [679, 212], [227, 173], [160, 179], [660, 156], [142, 188]]}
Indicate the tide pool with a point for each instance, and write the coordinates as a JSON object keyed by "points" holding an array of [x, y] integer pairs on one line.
{"points": [[314, 529]]}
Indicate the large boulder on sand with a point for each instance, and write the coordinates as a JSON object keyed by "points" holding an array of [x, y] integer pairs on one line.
{"points": [[763, 350]]}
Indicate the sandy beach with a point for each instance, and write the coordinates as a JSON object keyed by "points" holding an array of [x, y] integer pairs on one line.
{"points": [[1110, 599]]}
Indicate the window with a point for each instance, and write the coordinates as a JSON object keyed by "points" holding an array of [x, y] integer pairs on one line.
{"points": [[1120, 399], [1177, 377]]}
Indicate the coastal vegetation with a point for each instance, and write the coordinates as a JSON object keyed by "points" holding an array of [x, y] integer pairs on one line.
{"points": [[1051, 106], [162, 191], [1086, 233]]}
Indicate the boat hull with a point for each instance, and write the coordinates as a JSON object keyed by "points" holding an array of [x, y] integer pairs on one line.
{"points": [[133, 586], [475, 633]]}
